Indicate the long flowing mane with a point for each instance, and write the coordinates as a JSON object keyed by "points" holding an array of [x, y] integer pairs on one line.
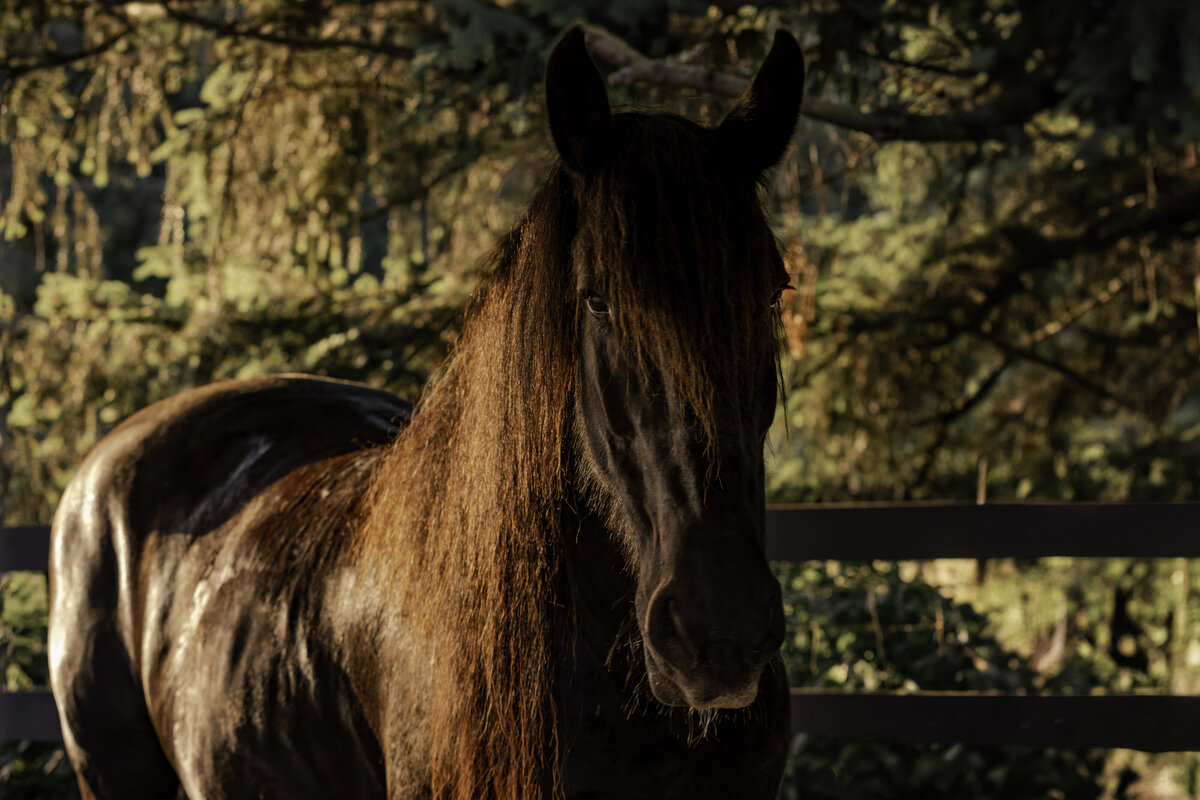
{"points": [[464, 512]]}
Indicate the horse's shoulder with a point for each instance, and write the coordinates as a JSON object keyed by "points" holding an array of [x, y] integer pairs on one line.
{"points": [[192, 459]]}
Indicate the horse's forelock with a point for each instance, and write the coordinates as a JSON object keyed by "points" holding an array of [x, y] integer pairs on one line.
{"points": [[676, 237]]}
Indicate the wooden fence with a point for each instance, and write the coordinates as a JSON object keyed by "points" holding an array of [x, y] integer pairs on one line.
{"points": [[1153, 723]]}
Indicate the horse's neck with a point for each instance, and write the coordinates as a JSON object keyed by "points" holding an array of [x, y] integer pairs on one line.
{"points": [[603, 657], [599, 585]]}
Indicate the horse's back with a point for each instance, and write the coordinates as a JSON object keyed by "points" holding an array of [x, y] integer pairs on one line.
{"points": [[188, 462], [190, 539]]}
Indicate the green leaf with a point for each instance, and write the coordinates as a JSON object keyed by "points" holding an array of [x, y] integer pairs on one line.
{"points": [[21, 414], [187, 116], [27, 128]]}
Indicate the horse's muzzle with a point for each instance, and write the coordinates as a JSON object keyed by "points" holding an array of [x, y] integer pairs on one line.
{"points": [[706, 648]]}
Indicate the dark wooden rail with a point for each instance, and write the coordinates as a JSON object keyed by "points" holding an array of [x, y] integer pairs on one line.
{"points": [[1000, 530], [1153, 723], [29, 715], [24, 548]]}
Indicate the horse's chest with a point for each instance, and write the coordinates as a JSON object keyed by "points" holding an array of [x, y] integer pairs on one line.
{"points": [[632, 747], [634, 759]]}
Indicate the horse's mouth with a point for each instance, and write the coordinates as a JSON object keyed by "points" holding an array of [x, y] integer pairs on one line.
{"points": [[672, 688]]}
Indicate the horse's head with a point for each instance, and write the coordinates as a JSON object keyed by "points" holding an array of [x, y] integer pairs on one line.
{"points": [[677, 280]]}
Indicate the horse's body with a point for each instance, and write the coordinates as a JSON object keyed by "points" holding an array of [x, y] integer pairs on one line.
{"points": [[198, 531], [291, 587], [252, 549]]}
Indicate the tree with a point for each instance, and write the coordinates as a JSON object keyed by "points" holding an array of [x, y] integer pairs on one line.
{"points": [[990, 216]]}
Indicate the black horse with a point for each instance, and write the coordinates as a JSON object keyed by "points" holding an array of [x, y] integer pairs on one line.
{"points": [[548, 581]]}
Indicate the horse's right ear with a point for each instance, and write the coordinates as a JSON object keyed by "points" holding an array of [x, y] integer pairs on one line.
{"points": [[577, 103], [760, 125]]}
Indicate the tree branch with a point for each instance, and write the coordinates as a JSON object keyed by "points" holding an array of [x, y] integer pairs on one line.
{"points": [[940, 70], [16, 69], [1032, 356], [947, 417], [987, 123], [967, 401], [1096, 297], [231, 30]]}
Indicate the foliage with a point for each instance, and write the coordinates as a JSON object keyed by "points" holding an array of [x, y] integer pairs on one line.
{"points": [[23, 630], [992, 231], [877, 627], [28, 769], [36, 771]]}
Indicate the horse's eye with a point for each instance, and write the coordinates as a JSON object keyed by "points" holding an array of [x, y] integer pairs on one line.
{"points": [[777, 298], [597, 305]]}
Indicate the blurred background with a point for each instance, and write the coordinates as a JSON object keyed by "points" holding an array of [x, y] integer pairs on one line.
{"points": [[991, 214]]}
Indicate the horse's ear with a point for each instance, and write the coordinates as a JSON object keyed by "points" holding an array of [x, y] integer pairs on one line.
{"points": [[760, 125], [577, 103]]}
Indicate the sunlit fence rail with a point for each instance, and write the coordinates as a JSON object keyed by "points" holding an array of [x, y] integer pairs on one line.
{"points": [[902, 532]]}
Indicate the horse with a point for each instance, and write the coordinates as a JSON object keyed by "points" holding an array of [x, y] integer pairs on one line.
{"points": [[548, 580]]}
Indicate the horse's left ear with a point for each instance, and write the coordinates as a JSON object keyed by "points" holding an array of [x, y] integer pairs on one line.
{"points": [[760, 125], [577, 104]]}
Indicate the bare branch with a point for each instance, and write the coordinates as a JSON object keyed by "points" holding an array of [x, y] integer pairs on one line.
{"points": [[230, 30], [982, 124], [633, 67], [1096, 297], [1033, 357], [968, 400], [15, 68], [935, 68], [942, 421]]}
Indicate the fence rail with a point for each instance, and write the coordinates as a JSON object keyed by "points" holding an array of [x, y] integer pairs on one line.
{"points": [[1001, 530], [24, 548], [1153, 723]]}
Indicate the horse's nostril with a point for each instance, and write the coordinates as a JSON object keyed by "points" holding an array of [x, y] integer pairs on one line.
{"points": [[678, 630], [696, 646], [699, 636]]}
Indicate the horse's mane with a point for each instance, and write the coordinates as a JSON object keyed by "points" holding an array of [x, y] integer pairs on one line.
{"points": [[464, 512]]}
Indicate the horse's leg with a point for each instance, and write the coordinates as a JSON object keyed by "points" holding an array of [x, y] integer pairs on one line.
{"points": [[105, 723], [106, 726]]}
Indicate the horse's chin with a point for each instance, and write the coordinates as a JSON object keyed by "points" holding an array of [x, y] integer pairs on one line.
{"points": [[672, 691]]}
